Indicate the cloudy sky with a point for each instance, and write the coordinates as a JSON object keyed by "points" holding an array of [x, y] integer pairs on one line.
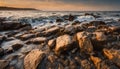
{"points": [[65, 5]]}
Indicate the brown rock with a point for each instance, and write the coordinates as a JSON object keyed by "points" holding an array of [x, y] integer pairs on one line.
{"points": [[113, 55], [63, 43], [84, 42], [51, 31], [52, 43], [38, 40], [3, 64], [26, 36], [100, 36], [1, 52], [17, 46], [34, 58], [96, 61]]}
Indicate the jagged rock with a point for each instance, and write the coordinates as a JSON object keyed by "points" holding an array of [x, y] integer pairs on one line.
{"points": [[51, 31], [52, 43], [113, 55], [38, 40], [26, 36], [3, 64], [12, 25], [1, 52], [84, 42], [33, 58], [63, 43], [17, 46]]}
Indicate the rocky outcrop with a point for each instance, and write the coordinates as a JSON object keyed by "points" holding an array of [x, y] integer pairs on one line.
{"points": [[34, 58]]}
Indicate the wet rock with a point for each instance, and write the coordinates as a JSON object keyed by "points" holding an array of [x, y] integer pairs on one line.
{"points": [[3, 64], [96, 23], [1, 52], [17, 46], [59, 20], [26, 36], [9, 50], [12, 25], [63, 43], [52, 43], [34, 58], [113, 55], [85, 43], [38, 40], [2, 38], [51, 31]]}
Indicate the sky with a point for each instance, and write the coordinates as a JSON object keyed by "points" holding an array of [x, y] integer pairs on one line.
{"points": [[65, 5]]}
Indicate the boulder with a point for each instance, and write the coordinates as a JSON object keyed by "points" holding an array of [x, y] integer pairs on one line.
{"points": [[33, 59], [100, 36], [12, 25], [63, 43], [113, 55], [17, 46], [3, 64], [85, 43], [69, 29]]}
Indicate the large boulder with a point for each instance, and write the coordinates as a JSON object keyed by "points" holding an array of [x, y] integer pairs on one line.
{"points": [[85, 43], [12, 25], [63, 43], [33, 59]]}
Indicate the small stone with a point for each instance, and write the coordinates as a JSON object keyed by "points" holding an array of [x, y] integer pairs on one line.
{"points": [[38, 40], [26, 36]]}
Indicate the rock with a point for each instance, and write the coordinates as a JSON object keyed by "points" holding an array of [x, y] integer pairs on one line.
{"points": [[69, 29], [17, 46], [114, 29], [3, 64], [9, 50], [52, 43], [34, 58], [2, 38], [63, 43], [51, 31], [84, 42], [12, 25], [100, 36], [38, 40], [96, 61], [113, 55], [96, 23], [85, 64], [1, 52], [26, 36], [59, 20]]}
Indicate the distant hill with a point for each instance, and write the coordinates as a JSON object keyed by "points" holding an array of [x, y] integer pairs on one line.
{"points": [[13, 8]]}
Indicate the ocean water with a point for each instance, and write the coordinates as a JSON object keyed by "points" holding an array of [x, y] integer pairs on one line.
{"points": [[43, 18]]}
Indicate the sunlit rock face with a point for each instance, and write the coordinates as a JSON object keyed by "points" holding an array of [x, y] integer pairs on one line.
{"points": [[77, 42]]}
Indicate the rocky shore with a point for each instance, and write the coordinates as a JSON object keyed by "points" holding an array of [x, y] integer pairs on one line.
{"points": [[93, 45]]}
